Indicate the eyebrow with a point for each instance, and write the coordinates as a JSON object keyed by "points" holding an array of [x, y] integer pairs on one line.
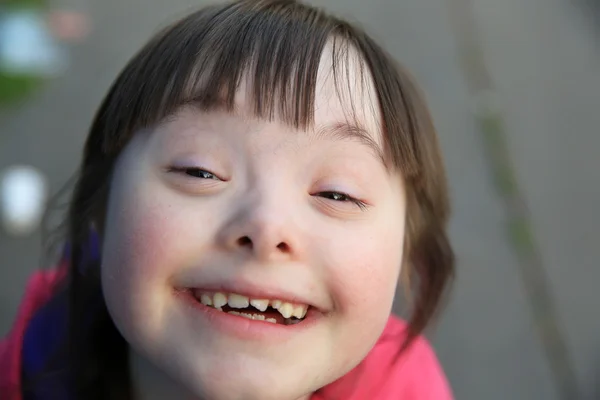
{"points": [[341, 131], [346, 131]]}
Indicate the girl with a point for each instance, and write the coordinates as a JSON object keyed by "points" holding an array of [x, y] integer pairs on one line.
{"points": [[257, 180]]}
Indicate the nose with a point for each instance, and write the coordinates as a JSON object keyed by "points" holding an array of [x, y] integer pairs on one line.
{"points": [[264, 231]]}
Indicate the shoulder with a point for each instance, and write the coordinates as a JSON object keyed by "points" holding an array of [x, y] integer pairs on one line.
{"points": [[387, 373], [417, 373], [38, 291]]}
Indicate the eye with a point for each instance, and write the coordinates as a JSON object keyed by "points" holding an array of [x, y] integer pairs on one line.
{"points": [[343, 198], [199, 173], [194, 172]]}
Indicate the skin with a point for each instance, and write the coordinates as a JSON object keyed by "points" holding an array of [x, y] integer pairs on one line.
{"points": [[272, 184]]}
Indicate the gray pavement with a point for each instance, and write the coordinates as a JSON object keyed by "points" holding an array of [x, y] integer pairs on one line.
{"points": [[544, 59]]}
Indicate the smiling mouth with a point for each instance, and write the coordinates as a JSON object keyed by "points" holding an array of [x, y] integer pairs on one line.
{"points": [[268, 310]]}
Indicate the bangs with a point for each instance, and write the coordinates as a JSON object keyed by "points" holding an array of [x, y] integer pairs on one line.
{"points": [[201, 61], [276, 46]]}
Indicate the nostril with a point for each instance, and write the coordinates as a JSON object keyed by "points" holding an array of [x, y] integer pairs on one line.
{"points": [[245, 241], [283, 247]]}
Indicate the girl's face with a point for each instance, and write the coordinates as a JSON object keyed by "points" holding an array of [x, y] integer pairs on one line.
{"points": [[214, 216]]}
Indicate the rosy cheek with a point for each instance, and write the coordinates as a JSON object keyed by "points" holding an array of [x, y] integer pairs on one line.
{"points": [[363, 284], [143, 232], [137, 260], [373, 284], [366, 277], [135, 240], [160, 232]]}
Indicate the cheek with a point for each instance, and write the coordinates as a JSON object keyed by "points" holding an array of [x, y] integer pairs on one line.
{"points": [[370, 274], [133, 261], [365, 275], [135, 240], [150, 234]]}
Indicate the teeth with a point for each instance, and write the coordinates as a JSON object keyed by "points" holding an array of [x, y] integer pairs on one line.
{"points": [[286, 310], [237, 301], [276, 304], [219, 300], [257, 317], [206, 300], [289, 310], [299, 311], [260, 304]]}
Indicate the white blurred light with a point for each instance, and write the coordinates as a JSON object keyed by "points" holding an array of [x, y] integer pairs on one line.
{"points": [[23, 195], [27, 46]]}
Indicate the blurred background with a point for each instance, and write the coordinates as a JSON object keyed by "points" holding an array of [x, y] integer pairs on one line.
{"points": [[514, 88]]}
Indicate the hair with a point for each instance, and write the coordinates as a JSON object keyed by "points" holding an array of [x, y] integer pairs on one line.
{"points": [[201, 60]]}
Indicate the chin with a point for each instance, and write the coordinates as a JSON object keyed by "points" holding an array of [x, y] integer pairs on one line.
{"points": [[234, 387], [202, 375]]}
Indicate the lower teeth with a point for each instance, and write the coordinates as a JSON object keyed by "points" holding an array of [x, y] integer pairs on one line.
{"points": [[260, 317], [256, 317]]}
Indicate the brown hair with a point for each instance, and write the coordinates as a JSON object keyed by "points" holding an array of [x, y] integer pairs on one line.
{"points": [[200, 60]]}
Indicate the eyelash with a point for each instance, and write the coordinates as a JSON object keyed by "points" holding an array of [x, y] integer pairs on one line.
{"points": [[330, 195], [343, 198], [200, 171]]}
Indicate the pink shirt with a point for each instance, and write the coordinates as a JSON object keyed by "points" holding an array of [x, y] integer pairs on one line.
{"points": [[416, 375], [382, 375]]}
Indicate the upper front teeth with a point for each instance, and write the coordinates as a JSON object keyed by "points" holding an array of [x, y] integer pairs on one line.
{"points": [[233, 300], [276, 304], [237, 301], [260, 304]]}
